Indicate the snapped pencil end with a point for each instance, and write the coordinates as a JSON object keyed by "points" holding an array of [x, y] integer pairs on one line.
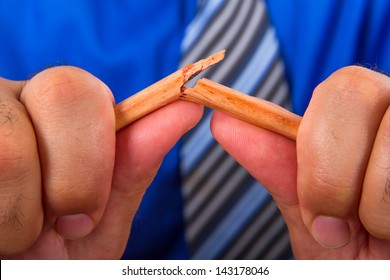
{"points": [[191, 70], [162, 92]]}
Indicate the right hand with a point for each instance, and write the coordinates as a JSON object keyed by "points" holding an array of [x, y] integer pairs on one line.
{"points": [[69, 185], [332, 185]]}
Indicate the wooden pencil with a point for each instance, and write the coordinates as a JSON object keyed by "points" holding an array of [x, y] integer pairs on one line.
{"points": [[247, 108], [208, 93], [160, 93]]}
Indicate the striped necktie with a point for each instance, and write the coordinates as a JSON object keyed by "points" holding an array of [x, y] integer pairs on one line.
{"points": [[228, 214]]}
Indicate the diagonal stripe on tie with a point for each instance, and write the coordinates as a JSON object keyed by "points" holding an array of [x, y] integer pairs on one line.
{"points": [[227, 213]]}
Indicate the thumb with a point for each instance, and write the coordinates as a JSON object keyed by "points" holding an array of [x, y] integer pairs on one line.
{"points": [[267, 156], [140, 149], [142, 146], [271, 160]]}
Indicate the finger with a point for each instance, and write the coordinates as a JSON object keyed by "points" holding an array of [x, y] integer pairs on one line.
{"points": [[333, 146], [271, 159], [148, 141], [375, 203], [267, 156], [21, 213], [73, 117], [141, 148]]}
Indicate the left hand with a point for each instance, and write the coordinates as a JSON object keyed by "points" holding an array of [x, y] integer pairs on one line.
{"points": [[332, 186], [69, 185]]}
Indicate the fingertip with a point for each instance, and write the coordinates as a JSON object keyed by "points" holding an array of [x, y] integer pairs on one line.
{"points": [[229, 131], [74, 226], [330, 232], [191, 113], [216, 124], [74, 212]]}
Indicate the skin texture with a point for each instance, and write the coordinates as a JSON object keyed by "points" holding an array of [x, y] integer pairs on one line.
{"points": [[64, 196], [332, 185], [69, 184]]}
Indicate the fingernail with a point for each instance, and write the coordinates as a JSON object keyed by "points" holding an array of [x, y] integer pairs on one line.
{"points": [[74, 226], [330, 232]]}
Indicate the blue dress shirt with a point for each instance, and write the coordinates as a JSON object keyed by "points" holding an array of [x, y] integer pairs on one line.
{"points": [[131, 44]]}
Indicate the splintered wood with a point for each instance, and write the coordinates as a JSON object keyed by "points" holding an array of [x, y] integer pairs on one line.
{"points": [[160, 93], [208, 93]]}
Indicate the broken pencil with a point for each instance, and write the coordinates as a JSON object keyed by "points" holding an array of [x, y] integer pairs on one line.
{"points": [[208, 93]]}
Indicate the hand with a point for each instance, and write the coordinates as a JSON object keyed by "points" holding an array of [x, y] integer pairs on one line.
{"points": [[332, 185], [69, 185]]}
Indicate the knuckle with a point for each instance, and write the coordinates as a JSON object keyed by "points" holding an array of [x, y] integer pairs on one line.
{"points": [[357, 85], [66, 87], [57, 85]]}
